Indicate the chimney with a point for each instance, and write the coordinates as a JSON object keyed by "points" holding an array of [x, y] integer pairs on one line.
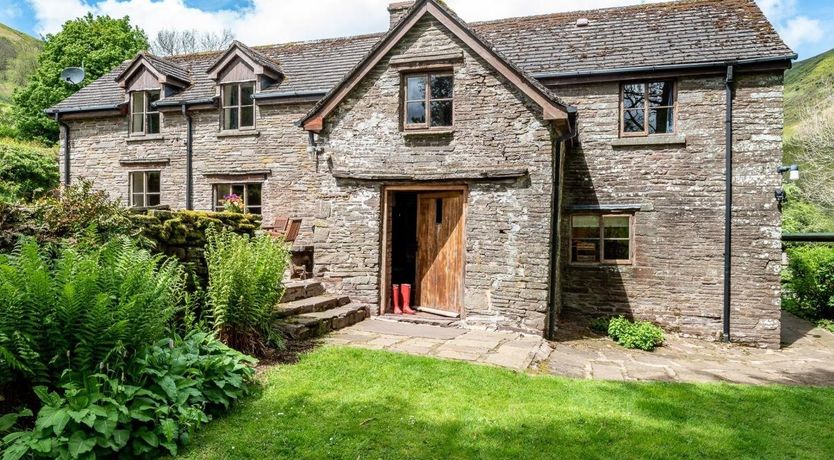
{"points": [[398, 11]]}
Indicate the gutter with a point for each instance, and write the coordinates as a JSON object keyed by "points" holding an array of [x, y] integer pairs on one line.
{"points": [[728, 202], [659, 68], [555, 241], [174, 103], [189, 157], [289, 94], [66, 127], [92, 108], [808, 237]]}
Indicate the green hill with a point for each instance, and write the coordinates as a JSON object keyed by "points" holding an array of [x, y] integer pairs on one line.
{"points": [[18, 59], [807, 85]]}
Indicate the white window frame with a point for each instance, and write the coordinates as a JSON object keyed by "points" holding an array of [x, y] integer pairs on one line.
{"points": [[145, 193], [238, 86]]}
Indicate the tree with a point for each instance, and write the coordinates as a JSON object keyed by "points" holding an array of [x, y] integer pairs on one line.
{"points": [[99, 42], [169, 42], [812, 147]]}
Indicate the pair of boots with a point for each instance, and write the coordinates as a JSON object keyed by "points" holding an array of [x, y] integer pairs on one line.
{"points": [[401, 296]]}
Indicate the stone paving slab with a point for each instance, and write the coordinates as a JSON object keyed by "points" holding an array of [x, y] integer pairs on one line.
{"points": [[807, 356]]}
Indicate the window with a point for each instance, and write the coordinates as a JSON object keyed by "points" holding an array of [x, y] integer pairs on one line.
{"points": [[145, 189], [239, 106], [429, 100], [251, 194], [144, 119], [648, 108], [601, 239]]}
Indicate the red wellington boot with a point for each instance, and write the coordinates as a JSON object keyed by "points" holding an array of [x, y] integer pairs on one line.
{"points": [[395, 299], [406, 291]]}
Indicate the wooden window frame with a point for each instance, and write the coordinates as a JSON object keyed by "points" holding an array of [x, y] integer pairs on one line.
{"points": [[427, 100], [239, 106], [145, 193], [147, 111], [602, 239], [245, 196], [647, 108]]}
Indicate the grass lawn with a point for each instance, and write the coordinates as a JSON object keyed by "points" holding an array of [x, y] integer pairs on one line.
{"points": [[345, 403]]}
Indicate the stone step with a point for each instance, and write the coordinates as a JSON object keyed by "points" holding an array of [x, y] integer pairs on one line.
{"points": [[315, 304], [297, 290], [312, 325]]}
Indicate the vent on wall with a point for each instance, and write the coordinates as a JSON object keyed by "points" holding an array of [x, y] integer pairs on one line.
{"points": [[582, 22]]}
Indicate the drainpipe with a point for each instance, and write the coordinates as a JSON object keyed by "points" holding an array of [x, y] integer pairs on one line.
{"points": [[555, 242], [66, 147], [189, 170], [728, 202]]}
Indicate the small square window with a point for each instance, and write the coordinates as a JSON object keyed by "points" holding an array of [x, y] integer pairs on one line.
{"points": [[145, 189], [428, 101], [250, 193], [601, 239], [648, 108]]}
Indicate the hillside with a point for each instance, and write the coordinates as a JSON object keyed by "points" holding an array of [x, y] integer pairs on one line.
{"points": [[808, 84], [18, 59]]}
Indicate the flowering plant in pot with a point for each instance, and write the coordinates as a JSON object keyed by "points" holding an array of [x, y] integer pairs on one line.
{"points": [[233, 203]]}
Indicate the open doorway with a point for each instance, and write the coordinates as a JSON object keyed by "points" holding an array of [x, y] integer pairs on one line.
{"points": [[425, 243]]}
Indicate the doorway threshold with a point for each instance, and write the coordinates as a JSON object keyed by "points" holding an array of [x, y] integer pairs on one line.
{"points": [[421, 318]]}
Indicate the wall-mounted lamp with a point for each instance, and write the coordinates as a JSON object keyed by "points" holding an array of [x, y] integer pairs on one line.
{"points": [[781, 196]]}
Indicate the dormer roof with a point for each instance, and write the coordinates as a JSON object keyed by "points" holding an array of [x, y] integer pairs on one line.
{"points": [[262, 65], [166, 72]]}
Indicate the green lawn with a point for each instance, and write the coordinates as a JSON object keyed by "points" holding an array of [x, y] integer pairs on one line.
{"points": [[353, 404]]}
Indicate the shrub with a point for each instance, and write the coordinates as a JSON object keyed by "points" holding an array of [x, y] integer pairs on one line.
{"points": [[81, 308], [72, 211], [809, 281], [27, 171], [168, 391], [245, 282], [641, 335]]}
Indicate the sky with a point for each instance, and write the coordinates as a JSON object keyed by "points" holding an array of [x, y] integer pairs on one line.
{"points": [[807, 26]]}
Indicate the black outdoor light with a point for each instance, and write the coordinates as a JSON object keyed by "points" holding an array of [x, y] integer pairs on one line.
{"points": [[781, 196]]}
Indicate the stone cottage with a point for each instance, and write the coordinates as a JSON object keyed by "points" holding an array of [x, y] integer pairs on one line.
{"points": [[512, 170]]}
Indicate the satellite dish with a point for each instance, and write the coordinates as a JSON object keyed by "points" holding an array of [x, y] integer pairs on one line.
{"points": [[73, 75]]}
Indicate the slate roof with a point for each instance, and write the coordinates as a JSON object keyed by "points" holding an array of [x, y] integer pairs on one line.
{"points": [[256, 56], [168, 68], [656, 34]]}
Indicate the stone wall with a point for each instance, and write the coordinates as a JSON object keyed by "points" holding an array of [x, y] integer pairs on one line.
{"points": [[507, 222], [677, 275]]}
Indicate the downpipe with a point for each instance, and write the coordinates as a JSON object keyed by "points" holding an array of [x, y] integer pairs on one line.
{"points": [[189, 159], [66, 129], [728, 203]]}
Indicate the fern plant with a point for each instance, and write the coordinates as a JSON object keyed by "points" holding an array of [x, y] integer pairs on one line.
{"points": [[244, 284], [82, 308]]}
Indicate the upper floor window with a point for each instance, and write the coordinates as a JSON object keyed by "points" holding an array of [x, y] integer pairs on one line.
{"points": [[144, 118], [648, 108], [248, 193], [238, 105], [429, 100], [145, 189], [601, 239]]}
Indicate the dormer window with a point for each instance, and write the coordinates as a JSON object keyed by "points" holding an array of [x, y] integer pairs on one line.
{"points": [[144, 118], [238, 106]]}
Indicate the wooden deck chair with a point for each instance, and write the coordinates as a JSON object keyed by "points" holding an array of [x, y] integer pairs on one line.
{"points": [[285, 228]]}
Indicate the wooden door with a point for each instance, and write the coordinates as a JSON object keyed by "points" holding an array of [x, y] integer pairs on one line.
{"points": [[440, 251]]}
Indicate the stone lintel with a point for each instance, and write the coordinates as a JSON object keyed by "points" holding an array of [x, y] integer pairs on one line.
{"points": [[475, 174]]}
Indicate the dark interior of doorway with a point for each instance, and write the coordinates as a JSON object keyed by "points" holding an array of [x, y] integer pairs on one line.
{"points": [[404, 239]]}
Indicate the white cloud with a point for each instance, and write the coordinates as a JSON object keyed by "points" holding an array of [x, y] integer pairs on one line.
{"points": [[778, 10], [801, 30]]}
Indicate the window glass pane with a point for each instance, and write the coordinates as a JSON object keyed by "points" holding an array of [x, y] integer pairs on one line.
{"points": [[247, 94], [416, 88], [137, 124], [230, 120], [617, 226], [153, 123], [617, 250], [633, 121], [153, 96], [253, 195], [661, 94], [441, 87], [138, 200], [137, 182], [662, 121], [153, 200], [585, 251], [230, 95], [237, 189], [138, 104], [416, 113], [221, 191], [247, 116], [441, 113], [585, 227], [153, 182], [634, 95]]}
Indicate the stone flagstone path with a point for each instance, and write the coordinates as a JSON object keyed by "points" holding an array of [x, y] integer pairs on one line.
{"points": [[807, 356]]}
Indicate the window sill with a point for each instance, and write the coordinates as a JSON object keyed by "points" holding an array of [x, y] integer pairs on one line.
{"points": [[657, 139], [239, 133], [428, 132], [147, 138]]}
